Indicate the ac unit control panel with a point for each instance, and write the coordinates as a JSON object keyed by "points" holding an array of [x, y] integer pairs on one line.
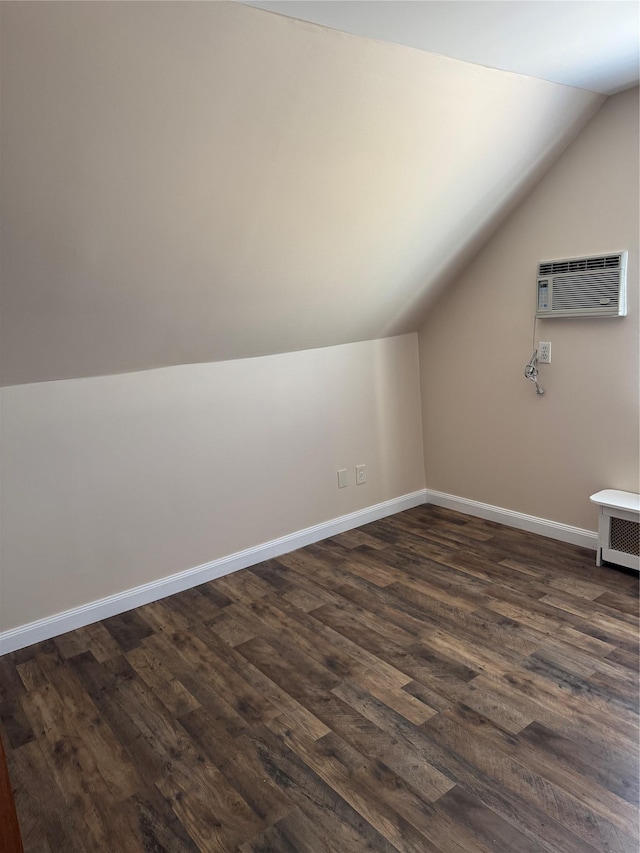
{"points": [[543, 294]]}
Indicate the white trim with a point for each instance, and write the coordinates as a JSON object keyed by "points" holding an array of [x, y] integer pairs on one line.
{"points": [[531, 523], [94, 611]]}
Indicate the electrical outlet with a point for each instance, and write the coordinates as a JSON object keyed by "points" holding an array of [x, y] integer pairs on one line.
{"points": [[544, 352], [361, 476], [343, 480]]}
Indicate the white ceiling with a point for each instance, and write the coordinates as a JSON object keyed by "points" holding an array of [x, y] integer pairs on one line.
{"points": [[593, 45]]}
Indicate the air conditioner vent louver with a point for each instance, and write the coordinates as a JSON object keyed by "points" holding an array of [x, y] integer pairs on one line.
{"points": [[578, 291], [583, 287], [598, 263]]}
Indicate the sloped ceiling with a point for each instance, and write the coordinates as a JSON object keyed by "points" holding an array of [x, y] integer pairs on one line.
{"points": [[591, 44], [189, 182]]}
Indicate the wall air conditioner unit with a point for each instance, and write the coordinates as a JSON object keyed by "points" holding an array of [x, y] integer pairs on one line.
{"points": [[583, 287]]}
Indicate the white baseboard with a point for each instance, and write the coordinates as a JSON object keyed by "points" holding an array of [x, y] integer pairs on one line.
{"points": [[94, 611], [530, 523]]}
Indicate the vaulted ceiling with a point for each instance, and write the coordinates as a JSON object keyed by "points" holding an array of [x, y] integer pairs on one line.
{"points": [[189, 182], [591, 44]]}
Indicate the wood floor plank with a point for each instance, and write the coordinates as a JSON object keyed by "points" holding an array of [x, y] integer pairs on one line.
{"points": [[128, 629], [16, 726], [72, 767], [489, 788], [240, 763], [601, 802], [615, 758], [553, 748], [482, 751], [45, 821], [630, 660], [484, 824], [619, 601], [316, 798], [431, 682], [343, 770]]}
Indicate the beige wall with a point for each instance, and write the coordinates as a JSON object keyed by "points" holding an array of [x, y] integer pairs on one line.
{"points": [[487, 436], [116, 481], [190, 182], [202, 182]]}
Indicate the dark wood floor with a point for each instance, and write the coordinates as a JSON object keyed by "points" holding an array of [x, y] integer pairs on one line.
{"points": [[430, 682]]}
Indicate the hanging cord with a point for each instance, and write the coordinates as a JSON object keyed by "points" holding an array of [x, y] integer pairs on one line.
{"points": [[531, 370]]}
